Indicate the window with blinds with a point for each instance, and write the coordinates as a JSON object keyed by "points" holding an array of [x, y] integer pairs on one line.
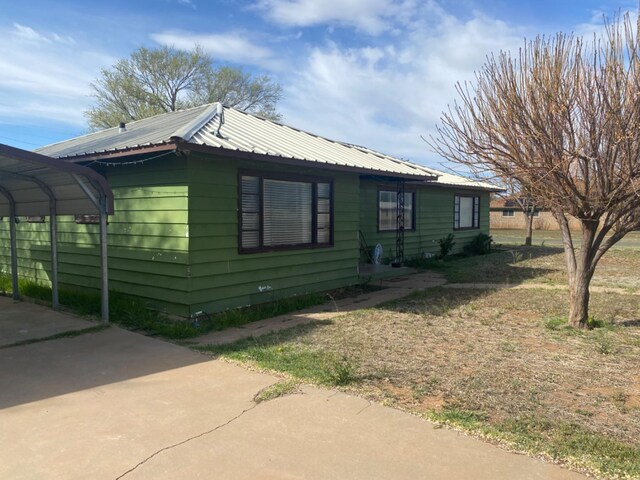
{"points": [[466, 212], [280, 213], [388, 210]]}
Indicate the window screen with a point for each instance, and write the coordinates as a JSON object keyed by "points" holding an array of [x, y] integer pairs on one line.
{"points": [[287, 213], [277, 213]]}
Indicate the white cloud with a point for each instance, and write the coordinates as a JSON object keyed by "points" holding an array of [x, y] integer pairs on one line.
{"points": [[188, 3], [596, 25], [387, 95], [232, 47], [45, 76], [26, 34], [370, 16]]}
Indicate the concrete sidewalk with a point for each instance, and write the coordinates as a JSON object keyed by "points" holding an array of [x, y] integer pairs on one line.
{"points": [[394, 288], [116, 404]]}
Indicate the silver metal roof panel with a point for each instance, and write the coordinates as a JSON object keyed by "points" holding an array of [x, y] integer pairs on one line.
{"points": [[244, 132]]}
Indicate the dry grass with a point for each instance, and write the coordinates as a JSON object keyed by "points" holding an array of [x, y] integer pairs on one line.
{"points": [[517, 264], [492, 352], [501, 363]]}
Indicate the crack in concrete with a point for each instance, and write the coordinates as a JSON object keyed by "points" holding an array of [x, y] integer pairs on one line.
{"points": [[218, 427], [363, 409]]}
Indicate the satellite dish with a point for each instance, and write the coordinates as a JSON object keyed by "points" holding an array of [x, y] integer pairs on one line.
{"points": [[377, 254]]}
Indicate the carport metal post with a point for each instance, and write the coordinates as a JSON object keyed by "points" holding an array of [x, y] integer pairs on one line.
{"points": [[53, 231], [104, 259], [14, 249], [101, 204], [14, 253]]}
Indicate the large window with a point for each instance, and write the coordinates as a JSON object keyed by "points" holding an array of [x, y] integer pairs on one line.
{"points": [[280, 213], [388, 210], [466, 212]]}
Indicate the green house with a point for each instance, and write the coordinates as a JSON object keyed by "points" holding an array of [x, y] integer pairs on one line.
{"points": [[216, 208]]}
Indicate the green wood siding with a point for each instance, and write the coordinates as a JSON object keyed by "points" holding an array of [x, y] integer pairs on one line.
{"points": [[173, 240], [434, 220], [223, 278], [148, 239]]}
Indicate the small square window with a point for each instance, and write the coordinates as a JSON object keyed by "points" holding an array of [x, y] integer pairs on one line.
{"points": [[508, 213]]}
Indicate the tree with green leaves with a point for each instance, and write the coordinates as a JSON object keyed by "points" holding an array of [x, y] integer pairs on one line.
{"points": [[154, 81]]}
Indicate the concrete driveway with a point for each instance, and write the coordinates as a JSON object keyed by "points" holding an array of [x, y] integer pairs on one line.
{"points": [[115, 404], [23, 322]]}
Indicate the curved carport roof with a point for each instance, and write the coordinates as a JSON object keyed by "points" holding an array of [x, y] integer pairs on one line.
{"points": [[36, 185]]}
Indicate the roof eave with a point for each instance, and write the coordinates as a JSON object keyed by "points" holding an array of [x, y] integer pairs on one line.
{"points": [[194, 147], [121, 152]]}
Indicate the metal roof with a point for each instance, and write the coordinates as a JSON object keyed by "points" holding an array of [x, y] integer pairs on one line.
{"points": [[245, 133], [30, 179], [156, 130], [443, 178]]}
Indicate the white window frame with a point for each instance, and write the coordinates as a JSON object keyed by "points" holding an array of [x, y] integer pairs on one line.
{"points": [[409, 210], [475, 212]]}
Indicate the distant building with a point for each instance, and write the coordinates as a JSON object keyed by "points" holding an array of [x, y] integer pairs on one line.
{"points": [[505, 213]]}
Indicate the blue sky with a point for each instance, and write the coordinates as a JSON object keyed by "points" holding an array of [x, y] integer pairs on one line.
{"points": [[372, 72]]}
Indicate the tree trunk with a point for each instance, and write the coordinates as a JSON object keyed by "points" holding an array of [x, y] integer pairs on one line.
{"points": [[527, 239], [579, 298], [581, 278]]}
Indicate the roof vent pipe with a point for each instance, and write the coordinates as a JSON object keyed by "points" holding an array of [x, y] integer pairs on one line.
{"points": [[122, 127], [220, 114]]}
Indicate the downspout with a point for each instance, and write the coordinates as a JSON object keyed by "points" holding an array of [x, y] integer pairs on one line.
{"points": [[101, 205]]}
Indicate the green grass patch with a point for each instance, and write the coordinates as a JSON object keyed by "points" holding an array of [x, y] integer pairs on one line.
{"points": [[241, 316], [467, 419], [67, 334], [134, 314], [560, 441], [556, 323], [276, 390], [298, 360]]}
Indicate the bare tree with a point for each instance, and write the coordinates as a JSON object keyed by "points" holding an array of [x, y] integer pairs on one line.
{"points": [[562, 119], [525, 203]]}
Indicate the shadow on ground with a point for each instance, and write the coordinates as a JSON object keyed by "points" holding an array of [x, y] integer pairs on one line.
{"points": [[504, 265], [52, 368], [434, 301]]}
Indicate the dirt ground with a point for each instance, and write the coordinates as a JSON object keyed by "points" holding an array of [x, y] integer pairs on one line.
{"points": [[503, 358], [491, 352]]}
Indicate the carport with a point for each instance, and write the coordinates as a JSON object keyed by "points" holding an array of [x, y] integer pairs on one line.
{"points": [[36, 185]]}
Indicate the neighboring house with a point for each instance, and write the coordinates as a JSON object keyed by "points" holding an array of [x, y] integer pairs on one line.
{"points": [[216, 208], [505, 213]]}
